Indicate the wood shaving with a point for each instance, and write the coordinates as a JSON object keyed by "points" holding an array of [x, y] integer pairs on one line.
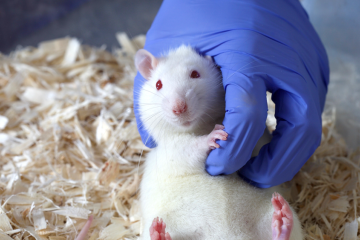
{"points": [[66, 142], [69, 147]]}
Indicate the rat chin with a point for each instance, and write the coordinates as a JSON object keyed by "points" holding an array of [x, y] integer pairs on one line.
{"points": [[184, 125]]}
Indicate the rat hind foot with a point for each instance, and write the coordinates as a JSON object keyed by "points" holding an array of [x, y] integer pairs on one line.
{"points": [[282, 220], [157, 230]]}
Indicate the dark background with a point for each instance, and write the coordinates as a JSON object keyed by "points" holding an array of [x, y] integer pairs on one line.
{"points": [[93, 22]]}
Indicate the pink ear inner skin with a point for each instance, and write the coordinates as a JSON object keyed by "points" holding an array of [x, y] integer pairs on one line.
{"points": [[145, 62]]}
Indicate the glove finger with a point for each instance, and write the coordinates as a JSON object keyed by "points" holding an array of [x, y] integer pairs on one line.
{"points": [[297, 135], [246, 111]]}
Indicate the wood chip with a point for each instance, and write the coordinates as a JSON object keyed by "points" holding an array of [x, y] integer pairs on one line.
{"points": [[5, 222], [38, 219], [351, 230], [4, 236], [125, 42], [71, 52], [73, 212], [3, 122]]}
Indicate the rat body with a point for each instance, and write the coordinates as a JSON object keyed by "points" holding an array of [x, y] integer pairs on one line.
{"points": [[179, 104]]}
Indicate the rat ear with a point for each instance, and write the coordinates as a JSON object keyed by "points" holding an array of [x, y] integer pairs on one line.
{"points": [[209, 58], [145, 62]]}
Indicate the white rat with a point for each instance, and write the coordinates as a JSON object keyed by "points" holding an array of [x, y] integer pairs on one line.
{"points": [[179, 104]]}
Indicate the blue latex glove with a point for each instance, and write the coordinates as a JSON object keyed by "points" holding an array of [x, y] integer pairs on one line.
{"points": [[260, 46]]}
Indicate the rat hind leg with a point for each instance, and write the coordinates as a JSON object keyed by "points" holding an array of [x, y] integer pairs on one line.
{"points": [[157, 230], [282, 220]]}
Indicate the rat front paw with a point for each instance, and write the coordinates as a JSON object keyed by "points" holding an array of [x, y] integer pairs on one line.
{"points": [[217, 133]]}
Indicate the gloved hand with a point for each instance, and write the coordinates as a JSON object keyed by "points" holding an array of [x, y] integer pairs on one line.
{"points": [[260, 46]]}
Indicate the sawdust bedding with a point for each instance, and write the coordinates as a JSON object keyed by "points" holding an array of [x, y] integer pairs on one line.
{"points": [[69, 147]]}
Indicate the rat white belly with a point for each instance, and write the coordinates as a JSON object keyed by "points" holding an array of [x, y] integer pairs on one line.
{"points": [[199, 206]]}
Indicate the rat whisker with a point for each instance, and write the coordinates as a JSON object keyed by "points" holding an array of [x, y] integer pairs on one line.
{"points": [[164, 96], [241, 68], [149, 104], [253, 60], [150, 108], [144, 121], [146, 90], [162, 130], [151, 116], [238, 70], [253, 67], [152, 121], [200, 118], [209, 116]]}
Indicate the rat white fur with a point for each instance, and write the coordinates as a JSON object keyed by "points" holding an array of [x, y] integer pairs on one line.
{"points": [[175, 185]]}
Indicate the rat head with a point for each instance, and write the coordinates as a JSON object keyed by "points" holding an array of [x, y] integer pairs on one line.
{"points": [[183, 91]]}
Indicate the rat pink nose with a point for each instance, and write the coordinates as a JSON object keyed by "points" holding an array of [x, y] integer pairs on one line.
{"points": [[179, 107]]}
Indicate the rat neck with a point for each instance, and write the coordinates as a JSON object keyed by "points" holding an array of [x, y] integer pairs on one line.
{"points": [[180, 154]]}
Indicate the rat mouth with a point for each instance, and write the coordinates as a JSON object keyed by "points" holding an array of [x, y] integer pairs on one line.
{"points": [[182, 121], [187, 123], [185, 120]]}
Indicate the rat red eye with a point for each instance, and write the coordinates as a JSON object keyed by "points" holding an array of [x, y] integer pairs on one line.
{"points": [[158, 85], [194, 74]]}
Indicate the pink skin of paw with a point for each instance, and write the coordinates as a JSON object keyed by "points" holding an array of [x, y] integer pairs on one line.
{"points": [[282, 220], [217, 133], [157, 230], [84, 231]]}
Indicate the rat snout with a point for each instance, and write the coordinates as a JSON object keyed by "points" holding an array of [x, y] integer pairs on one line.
{"points": [[179, 107]]}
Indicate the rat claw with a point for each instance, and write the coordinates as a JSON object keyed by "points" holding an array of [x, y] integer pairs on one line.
{"points": [[216, 135], [213, 145]]}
